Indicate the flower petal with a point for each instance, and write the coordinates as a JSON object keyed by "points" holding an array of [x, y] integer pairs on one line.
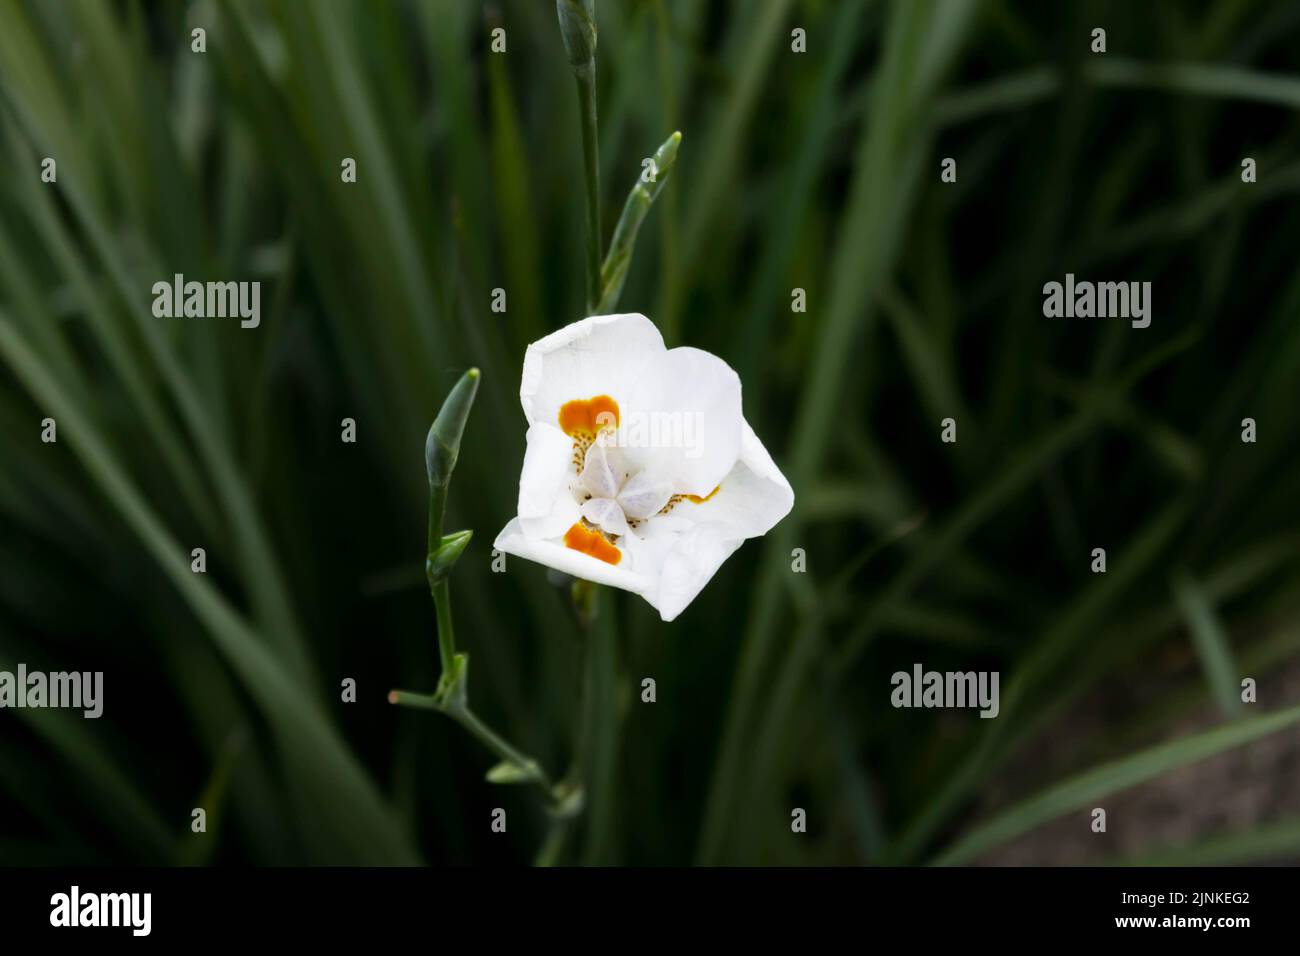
{"points": [[599, 355], [606, 515], [687, 559], [512, 540], [681, 421], [688, 546], [751, 499], [546, 507], [643, 495], [598, 471]]}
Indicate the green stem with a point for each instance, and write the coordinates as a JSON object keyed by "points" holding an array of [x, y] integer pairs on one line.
{"points": [[586, 80], [410, 698], [439, 588], [553, 847], [442, 447], [602, 728], [446, 633], [472, 722], [587, 763], [499, 745]]}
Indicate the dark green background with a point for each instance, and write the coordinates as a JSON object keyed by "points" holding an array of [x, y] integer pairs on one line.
{"points": [[817, 170]]}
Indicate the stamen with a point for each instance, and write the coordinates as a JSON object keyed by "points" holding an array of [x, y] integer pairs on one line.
{"points": [[693, 499], [584, 538]]}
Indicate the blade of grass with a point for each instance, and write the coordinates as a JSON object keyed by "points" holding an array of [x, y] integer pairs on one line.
{"points": [[888, 163], [752, 48], [782, 234], [307, 741], [1211, 643], [261, 572], [118, 798], [1267, 843], [1068, 631], [1087, 788]]}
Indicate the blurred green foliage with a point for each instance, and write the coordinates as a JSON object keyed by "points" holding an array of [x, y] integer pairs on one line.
{"points": [[815, 170]]}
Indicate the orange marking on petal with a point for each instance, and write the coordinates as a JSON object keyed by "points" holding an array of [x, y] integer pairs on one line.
{"points": [[697, 500], [587, 416], [589, 541]]}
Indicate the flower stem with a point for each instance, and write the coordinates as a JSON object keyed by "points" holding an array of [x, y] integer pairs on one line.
{"points": [[577, 20], [602, 722], [499, 745], [438, 587], [446, 631], [463, 715], [585, 76], [452, 697], [553, 847], [588, 600], [441, 449]]}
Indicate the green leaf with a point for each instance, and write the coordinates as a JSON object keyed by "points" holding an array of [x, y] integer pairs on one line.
{"points": [[1270, 842], [1084, 789], [1211, 644], [67, 737], [313, 751], [753, 41], [1227, 82]]}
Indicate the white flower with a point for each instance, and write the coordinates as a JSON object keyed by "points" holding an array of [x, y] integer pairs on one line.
{"points": [[640, 471]]}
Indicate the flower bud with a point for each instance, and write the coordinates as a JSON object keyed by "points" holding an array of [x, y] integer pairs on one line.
{"points": [[578, 27], [437, 564], [442, 447]]}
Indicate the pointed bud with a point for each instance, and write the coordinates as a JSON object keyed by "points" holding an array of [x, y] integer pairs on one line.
{"points": [[509, 772], [442, 446], [613, 271], [666, 154], [578, 27], [439, 563]]}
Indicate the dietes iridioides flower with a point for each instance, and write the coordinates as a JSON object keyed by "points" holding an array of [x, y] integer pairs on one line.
{"points": [[640, 471]]}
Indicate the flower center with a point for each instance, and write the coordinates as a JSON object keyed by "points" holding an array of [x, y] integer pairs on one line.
{"points": [[613, 497]]}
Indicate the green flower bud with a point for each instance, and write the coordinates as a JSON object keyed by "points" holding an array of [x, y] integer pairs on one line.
{"points": [[437, 564], [442, 447], [578, 27]]}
